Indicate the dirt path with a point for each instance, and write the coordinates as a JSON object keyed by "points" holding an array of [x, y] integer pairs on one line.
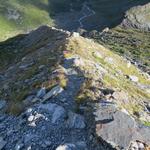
{"points": [[87, 12]]}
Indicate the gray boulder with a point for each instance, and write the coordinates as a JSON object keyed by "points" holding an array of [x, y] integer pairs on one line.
{"points": [[118, 132], [57, 112], [75, 121], [66, 147], [58, 115], [118, 128]]}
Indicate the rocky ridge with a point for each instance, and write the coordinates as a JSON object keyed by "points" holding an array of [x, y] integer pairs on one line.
{"points": [[138, 17], [83, 102]]}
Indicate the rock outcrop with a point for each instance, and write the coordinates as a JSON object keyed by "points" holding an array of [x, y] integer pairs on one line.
{"points": [[118, 127], [138, 17]]}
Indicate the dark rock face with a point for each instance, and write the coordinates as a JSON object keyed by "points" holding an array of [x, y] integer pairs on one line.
{"points": [[117, 127], [138, 17]]}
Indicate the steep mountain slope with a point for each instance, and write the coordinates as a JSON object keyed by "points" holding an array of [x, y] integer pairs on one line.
{"points": [[18, 16], [138, 17], [110, 13], [132, 44], [73, 93]]}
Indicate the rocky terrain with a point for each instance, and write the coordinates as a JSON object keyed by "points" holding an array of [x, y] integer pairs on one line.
{"points": [[81, 85], [63, 91], [138, 17], [17, 16]]}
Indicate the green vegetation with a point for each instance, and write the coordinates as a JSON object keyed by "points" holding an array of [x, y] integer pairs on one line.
{"points": [[133, 44], [17, 16], [114, 76]]}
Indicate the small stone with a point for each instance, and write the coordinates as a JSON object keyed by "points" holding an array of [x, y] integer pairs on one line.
{"points": [[31, 118], [6, 86], [75, 34], [41, 67], [63, 100], [81, 145], [19, 146], [134, 145], [133, 78], [97, 54], [55, 91], [71, 72], [70, 146], [106, 29], [78, 62], [34, 100], [29, 148], [109, 60], [141, 146], [41, 92], [2, 77], [128, 64], [25, 66]]}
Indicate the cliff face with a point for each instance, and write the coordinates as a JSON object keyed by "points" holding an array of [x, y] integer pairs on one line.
{"points": [[138, 17], [67, 91]]}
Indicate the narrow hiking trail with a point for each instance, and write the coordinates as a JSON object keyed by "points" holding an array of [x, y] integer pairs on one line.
{"points": [[87, 12]]}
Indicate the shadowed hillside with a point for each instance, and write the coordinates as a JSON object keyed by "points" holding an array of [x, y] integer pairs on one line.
{"points": [[110, 13], [21, 16]]}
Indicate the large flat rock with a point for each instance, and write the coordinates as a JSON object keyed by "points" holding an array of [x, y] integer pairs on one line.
{"points": [[118, 128]]}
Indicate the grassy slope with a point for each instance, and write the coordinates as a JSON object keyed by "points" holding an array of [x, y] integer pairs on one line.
{"points": [[120, 40], [115, 76], [32, 14], [130, 43], [110, 13]]}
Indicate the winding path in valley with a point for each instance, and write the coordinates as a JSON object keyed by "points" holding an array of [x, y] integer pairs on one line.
{"points": [[87, 12]]}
